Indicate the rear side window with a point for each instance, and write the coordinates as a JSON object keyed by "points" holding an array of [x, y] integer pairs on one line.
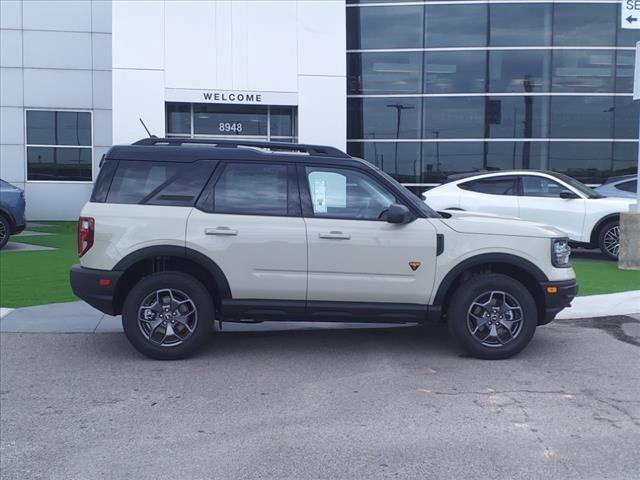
{"points": [[252, 189], [103, 182], [630, 186], [159, 183], [492, 186]]}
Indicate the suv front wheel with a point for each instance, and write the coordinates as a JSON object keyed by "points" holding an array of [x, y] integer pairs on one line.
{"points": [[168, 315], [492, 316]]}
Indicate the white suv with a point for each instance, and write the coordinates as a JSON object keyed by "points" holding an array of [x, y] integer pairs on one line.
{"points": [[181, 232]]}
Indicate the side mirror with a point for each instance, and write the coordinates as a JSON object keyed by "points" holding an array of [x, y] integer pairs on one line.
{"points": [[397, 213], [567, 194]]}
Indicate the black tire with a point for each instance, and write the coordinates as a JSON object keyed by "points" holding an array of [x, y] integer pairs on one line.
{"points": [[179, 282], [606, 234], [5, 231], [478, 287]]}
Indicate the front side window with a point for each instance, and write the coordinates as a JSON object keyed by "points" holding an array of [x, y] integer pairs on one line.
{"points": [[252, 189], [534, 186], [59, 145], [346, 194], [491, 186]]}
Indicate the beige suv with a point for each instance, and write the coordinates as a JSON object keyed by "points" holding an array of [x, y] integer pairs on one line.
{"points": [[179, 233]]}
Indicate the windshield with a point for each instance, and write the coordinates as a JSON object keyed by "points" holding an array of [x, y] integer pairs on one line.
{"points": [[581, 187]]}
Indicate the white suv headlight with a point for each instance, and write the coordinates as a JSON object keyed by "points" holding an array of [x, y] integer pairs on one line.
{"points": [[560, 252]]}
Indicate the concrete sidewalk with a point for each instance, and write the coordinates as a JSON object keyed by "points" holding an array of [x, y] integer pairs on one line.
{"points": [[79, 317]]}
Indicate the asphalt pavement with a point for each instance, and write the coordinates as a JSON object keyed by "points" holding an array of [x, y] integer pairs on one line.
{"points": [[328, 404]]}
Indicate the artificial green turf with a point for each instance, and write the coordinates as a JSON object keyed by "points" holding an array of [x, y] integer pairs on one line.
{"points": [[37, 278], [596, 276]]}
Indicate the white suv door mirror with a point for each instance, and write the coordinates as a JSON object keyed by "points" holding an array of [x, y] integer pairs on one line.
{"points": [[397, 213]]}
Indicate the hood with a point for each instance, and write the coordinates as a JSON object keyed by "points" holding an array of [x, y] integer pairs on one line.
{"points": [[489, 224], [620, 204]]}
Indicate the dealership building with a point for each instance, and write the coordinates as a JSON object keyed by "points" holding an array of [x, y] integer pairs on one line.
{"points": [[422, 89]]}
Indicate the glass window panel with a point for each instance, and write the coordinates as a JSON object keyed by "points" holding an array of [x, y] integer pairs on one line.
{"points": [[229, 120], [625, 117], [627, 37], [625, 61], [252, 189], [58, 128], [625, 159], [589, 162], [400, 160], [385, 72], [518, 71], [581, 117], [520, 24], [60, 164], [454, 117], [445, 158], [455, 72], [282, 121], [580, 24], [186, 187], [535, 186], [384, 117], [178, 118], [516, 155], [133, 181], [518, 117], [385, 27], [582, 71], [456, 25]]}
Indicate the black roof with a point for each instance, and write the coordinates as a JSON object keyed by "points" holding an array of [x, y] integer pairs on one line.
{"points": [[189, 150]]}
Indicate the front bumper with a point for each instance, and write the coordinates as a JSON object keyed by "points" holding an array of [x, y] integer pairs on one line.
{"points": [[556, 301], [96, 287]]}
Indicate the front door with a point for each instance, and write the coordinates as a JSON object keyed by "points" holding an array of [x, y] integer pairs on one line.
{"points": [[354, 254]]}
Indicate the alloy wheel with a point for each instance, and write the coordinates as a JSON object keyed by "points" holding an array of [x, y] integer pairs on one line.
{"points": [[495, 318], [611, 241], [167, 317], [3, 232]]}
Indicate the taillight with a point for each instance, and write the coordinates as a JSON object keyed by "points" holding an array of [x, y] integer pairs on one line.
{"points": [[85, 235]]}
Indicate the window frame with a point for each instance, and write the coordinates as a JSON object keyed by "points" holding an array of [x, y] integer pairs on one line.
{"points": [[293, 195], [27, 145], [305, 194]]}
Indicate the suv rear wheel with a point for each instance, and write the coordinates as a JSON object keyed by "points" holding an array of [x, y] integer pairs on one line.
{"points": [[168, 315], [609, 239], [492, 316]]}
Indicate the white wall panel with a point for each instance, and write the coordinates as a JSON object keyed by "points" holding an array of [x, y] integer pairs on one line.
{"points": [[102, 128], [57, 88], [59, 15], [11, 87], [56, 201], [191, 50], [102, 86], [137, 94], [138, 34], [101, 47], [322, 110], [12, 163], [70, 50], [226, 55], [321, 37], [10, 48], [11, 126], [10, 14]]}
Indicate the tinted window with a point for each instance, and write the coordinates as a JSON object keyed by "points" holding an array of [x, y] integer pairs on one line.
{"points": [[630, 186], [582, 71], [440, 159], [385, 27], [492, 186], [178, 118], [282, 122], [581, 117], [341, 193], [516, 155], [103, 182], [58, 128], [454, 117], [518, 117], [586, 161], [384, 117], [384, 72], [578, 24], [534, 186], [134, 181], [184, 189], [456, 25], [455, 72], [217, 119], [625, 61], [66, 164], [520, 24], [518, 71], [252, 189]]}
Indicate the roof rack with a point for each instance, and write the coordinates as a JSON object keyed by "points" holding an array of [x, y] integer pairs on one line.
{"points": [[318, 150]]}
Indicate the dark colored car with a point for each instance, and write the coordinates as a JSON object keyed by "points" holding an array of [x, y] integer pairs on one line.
{"points": [[625, 186], [12, 205]]}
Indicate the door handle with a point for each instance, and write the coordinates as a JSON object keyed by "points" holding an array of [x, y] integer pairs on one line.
{"points": [[220, 231], [335, 235]]}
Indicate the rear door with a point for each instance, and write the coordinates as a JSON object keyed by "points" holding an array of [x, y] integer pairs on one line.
{"points": [[490, 195], [248, 222]]}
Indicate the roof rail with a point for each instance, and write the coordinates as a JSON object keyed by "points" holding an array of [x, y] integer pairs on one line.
{"points": [[318, 150]]}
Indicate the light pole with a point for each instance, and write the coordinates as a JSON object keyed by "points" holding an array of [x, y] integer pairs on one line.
{"points": [[399, 108]]}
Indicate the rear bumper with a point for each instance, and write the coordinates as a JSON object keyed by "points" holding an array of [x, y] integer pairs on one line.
{"points": [[96, 287], [566, 291]]}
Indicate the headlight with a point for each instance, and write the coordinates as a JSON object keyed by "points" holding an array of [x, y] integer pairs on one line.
{"points": [[560, 252]]}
